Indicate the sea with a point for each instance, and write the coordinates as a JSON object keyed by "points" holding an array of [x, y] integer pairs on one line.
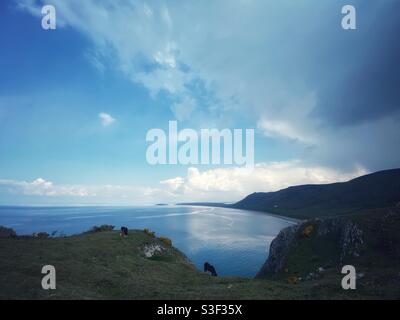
{"points": [[235, 242]]}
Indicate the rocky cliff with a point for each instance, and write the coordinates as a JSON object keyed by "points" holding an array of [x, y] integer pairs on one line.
{"points": [[318, 244]]}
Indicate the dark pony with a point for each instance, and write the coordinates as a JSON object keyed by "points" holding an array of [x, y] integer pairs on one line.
{"points": [[124, 231], [209, 268]]}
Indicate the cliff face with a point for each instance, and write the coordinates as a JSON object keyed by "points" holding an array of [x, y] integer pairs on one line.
{"points": [[279, 250], [332, 242]]}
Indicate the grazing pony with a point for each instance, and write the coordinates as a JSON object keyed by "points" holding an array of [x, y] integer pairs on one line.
{"points": [[124, 231], [209, 268]]}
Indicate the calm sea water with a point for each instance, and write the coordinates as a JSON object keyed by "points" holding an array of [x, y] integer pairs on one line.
{"points": [[236, 242]]}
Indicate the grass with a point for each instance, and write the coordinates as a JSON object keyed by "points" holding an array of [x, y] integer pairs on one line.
{"points": [[103, 265], [313, 252]]}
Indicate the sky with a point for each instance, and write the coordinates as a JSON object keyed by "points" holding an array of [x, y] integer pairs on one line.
{"points": [[76, 102]]}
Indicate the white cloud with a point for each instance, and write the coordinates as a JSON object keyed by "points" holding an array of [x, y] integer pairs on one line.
{"points": [[174, 184], [220, 184], [106, 119], [41, 187], [90, 194], [166, 57], [231, 184], [277, 128], [184, 109]]}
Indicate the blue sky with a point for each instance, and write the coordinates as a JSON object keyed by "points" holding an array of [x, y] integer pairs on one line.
{"points": [[324, 102]]}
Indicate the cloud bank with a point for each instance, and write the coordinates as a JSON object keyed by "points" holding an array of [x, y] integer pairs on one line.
{"points": [[41, 187], [288, 68], [223, 184], [232, 184]]}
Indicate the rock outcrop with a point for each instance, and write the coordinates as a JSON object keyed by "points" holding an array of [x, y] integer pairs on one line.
{"points": [[150, 250], [351, 241], [346, 233]]}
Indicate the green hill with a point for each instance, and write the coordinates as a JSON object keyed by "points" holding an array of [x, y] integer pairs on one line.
{"points": [[103, 265], [376, 190]]}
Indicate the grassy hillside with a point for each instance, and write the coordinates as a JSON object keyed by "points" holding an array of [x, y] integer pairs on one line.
{"points": [[105, 266], [377, 190]]}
